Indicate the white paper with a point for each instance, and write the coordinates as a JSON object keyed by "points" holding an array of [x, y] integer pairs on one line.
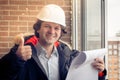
{"points": [[81, 67]]}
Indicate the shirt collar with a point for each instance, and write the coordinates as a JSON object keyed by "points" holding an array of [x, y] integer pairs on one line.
{"points": [[42, 51]]}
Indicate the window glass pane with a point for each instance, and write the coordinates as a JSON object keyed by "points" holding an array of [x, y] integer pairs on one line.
{"points": [[110, 52], [115, 52], [115, 46], [110, 46], [93, 24]]}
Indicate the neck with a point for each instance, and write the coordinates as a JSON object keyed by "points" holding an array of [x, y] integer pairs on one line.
{"points": [[48, 47], [49, 50]]}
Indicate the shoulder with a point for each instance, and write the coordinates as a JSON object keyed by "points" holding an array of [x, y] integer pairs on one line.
{"points": [[62, 44], [65, 47], [65, 44]]}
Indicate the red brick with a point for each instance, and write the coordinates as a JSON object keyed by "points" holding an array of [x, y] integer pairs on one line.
{"points": [[23, 29], [9, 18], [39, 7], [21, 18], [15, 33], [67, 8], [30, 30], [11, 38], [66, 39], [27, 8], [18, 2], [13, 28], [3, 2], [8, 7], [11, 44], [18, 23], [31, 23], [4, 39], [17, 12], [3, 23], [68, 3], [3, 28], [68, 22], [24, 13], [36, 2], [4, 50], [3, 45], [61, 3], [51, 2], [32, 13], [2, 13], [3, 33]]}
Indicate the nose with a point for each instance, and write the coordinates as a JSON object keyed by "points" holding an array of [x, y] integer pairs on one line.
{"points": [[52, 30]]}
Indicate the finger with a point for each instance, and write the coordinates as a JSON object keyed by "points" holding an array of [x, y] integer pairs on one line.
{"points": [[28, 55], [21, 40], [99, 60], [97, 63], [99, 68], [27, 47], [28, 52]]}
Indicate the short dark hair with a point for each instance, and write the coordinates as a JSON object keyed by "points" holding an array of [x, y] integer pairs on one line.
{"points": [[37, 26]]}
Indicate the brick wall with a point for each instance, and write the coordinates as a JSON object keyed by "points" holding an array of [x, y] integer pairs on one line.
{"points": [[18, 16], [114, 60]]}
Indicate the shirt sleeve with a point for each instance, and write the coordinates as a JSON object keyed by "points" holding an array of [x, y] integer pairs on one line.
{"points": [[102, 75]]}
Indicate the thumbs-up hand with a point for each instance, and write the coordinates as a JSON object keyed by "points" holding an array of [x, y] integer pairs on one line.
{"points": [[23, 51]]}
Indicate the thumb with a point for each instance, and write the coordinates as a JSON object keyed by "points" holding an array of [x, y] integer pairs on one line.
{"points": [[21, 42]]}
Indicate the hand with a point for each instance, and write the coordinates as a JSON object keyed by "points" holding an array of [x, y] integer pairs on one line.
{"points": [[24, 52], [98, 64]]}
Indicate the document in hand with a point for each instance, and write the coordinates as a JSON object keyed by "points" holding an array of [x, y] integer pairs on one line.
{"points": [[81, 68]]}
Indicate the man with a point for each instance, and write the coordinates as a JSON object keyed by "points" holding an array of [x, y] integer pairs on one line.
{"points": [[42, 56]]}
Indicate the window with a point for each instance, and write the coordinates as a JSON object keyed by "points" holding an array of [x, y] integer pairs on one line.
{"points": [[93, 25], [88, 30], [88, 24]]}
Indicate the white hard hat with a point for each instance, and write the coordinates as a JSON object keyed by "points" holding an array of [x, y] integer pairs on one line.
{"points": [[52, 13]]}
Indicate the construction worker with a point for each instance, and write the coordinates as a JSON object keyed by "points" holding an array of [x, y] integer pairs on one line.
{"points": [[43, 56]]}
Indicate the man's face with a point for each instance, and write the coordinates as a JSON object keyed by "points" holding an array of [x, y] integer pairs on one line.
{"points": [[49, 33]]}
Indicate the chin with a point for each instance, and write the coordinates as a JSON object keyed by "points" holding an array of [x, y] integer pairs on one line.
{"points": [[50, 42]]}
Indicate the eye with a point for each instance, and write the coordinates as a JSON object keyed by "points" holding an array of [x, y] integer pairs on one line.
{"points": [[46, 26], [57, 28]]}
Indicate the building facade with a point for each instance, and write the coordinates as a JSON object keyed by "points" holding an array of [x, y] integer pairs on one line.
{"points": [[114, 59]]}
